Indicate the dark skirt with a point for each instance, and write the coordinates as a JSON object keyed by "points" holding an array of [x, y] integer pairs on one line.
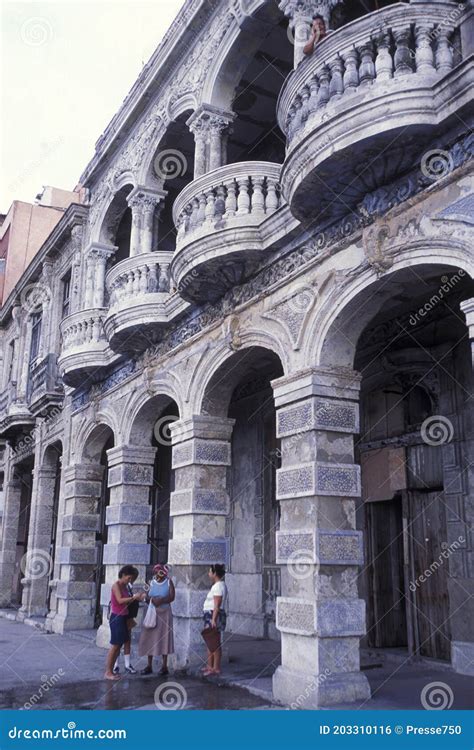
{"points": [[221, 620], [119, 632]]}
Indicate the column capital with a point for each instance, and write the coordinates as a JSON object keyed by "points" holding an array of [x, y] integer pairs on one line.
{"points": [[100, 251], [201, 426], [330, 382], [131, 454], [307, 9], [208, 117], [468, 309], [143, 198]]}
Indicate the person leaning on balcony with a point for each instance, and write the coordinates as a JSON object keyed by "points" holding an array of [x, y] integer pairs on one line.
{"points": [[119, 632], [318, 32]]}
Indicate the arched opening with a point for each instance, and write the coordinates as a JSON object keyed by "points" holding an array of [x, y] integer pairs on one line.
{"points": [[151, 427], [52, 484], [249, 83], [241, 390], [23, 475], [410, 343], [117, 226], [173, 168], [95, 452]]}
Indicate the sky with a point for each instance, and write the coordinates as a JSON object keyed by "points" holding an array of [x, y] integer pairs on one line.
{"points": [[66, 67]]}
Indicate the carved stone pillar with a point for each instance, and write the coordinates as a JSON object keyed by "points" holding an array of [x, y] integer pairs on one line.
{"points": [[127, 517], [210, 127], [199, 507], [468, 309], [38, 569], [76, 553], [11, 513], [319, 614], [301, 14], [97, 255], [143, 203]]}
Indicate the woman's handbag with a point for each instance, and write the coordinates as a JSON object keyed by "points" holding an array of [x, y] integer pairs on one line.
{"points": [[211, 638], [149, 621]]}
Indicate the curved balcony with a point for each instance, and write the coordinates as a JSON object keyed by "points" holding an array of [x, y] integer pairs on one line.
{"points": [[223, 220], [140, 301], [84, 347], [16, 418], [365, 106]]}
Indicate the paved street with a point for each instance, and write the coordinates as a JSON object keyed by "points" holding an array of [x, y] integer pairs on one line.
{"points": [[41, 670]]}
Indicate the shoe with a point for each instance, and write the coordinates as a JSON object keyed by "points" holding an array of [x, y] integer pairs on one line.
{"points": [[130, 670], [116, 670], [147, 670], [163, 671]]}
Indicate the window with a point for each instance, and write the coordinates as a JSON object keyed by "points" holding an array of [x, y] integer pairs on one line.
{"points": [[66, 294], [36, 319], [11, 361]]}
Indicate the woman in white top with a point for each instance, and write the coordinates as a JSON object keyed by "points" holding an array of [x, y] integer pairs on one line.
{"points": [[215, 615]]}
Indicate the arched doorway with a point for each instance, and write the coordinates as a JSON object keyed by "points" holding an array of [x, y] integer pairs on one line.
{"points": [[240, 390], [409, 342]]}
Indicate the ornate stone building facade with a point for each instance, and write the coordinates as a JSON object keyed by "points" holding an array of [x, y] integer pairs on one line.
{"points": [[252, 344]]}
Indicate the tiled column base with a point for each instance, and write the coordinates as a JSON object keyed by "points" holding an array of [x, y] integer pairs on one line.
{"points": [[319, 614], [128, 518], [9, 537], [77, 555], [199, 506]]}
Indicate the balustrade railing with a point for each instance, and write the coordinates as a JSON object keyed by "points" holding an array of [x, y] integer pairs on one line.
{"points": [[137, 276], [237, 194], [395, 42], [84, 327]]}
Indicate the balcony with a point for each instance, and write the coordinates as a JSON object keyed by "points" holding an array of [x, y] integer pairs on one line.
{"points": [[140, 301], [225, 220], [45, 390], [84, 347], [16, 418], [364, 108]]}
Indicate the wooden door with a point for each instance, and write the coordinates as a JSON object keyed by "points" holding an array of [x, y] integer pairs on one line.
{"points": [[427, 535], [387, 612]]}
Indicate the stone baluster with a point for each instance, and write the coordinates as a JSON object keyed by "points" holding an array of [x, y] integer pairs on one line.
{"points": [[220, 202], [210, 207], [258, 200], [444, 50], [319, 614], [144, 270], [96, 333], [313, 96], [424, 53], [290, 128], [153, 278], [351, 73], [324, 78], [199, 507], [231, 199], [305, 94], [271, 202], [243, 201], [336, 87], [201, 216], [383, 61], [164, 277], [403, 64], [367, 67], [298, 113]]}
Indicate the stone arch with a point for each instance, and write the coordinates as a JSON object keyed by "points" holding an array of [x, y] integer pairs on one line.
{"points": [[337, 324], [109, 225], [93, 440], [142, 415]]}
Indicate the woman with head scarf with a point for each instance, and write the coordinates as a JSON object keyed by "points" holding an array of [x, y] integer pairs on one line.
{"points": [[158, 641]]}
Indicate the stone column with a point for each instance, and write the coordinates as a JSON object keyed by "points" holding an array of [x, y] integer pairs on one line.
{"points": [[11, 512], [143, 202], [468, 309], [97, 255], [319, 614], [301, 14], [199, 507], [39, 561], [77, 553], [127, 517], [210, 127]]}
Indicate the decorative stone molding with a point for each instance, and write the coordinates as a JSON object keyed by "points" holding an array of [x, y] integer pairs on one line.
{"points": [[198, 451], [81, 522], [198, 551], [297, 546], [318, 414], [296, 616], [127, 514], [306, 479], [339, 547], [199, 500], [121, 554], [76, 555], [326, 618]]}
